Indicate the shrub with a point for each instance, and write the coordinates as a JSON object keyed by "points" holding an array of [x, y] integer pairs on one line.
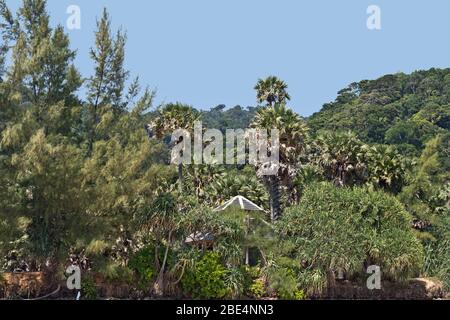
{"points": [[299, 295], [206, 280], [257, 288], [284, 282], [114, 272], [235, 281], [88, 289], [143, 263], [437, 261], [314, 280], [254, 285]]}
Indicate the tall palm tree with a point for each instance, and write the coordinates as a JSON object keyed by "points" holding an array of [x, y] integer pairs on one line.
{"points": [[272, 90], [170, 118], [293, 133]]}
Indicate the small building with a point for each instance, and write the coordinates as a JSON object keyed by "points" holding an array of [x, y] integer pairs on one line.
{"points": [[202, 240], [206, 240], [240, 202]]}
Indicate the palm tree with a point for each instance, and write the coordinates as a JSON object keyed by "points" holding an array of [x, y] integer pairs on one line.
{"points": [[387, 168], [342, 158], [272, 90], [347, 161], [200, 177], [170, 118], [231, 184], [293, 133]]}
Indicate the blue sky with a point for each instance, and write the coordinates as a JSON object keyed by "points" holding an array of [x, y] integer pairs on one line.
{"points": [[205, 52]]}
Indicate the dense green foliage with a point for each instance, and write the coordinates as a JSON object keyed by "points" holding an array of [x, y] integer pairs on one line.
{"points": [[410, 114], [87, 179], [233, 118], [344, 230], [396, 109], [143, 263], [206, 279]]}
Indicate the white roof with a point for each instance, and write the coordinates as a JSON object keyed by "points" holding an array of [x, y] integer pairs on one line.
{"points": [[238, 201], [241, 202], [199, 237]]}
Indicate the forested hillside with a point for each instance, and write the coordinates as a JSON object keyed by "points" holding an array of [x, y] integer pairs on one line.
{"points": [[405, 110], [411, 115], [399, 109]]}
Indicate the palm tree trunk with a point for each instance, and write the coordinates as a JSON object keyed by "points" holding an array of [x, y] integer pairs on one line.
{"points": [[274, 194]]}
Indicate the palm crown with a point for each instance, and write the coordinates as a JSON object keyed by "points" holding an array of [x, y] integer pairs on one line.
{"points": [[272, 90]]}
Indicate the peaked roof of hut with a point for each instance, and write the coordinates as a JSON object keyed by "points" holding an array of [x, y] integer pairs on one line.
{"points": [[240, 202]]}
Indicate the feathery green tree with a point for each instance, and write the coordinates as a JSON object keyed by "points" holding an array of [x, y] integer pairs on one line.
{"points": [[105, 96]]}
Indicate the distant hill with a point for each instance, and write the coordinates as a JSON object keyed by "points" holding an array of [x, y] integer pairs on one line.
{"points": [[232, 118], [397, 109], [405, 110]]}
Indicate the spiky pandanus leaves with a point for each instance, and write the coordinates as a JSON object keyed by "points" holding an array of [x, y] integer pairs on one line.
{"points": [[348, 229], [162, 219]]}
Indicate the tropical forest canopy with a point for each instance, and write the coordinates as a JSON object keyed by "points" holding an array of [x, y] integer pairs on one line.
{"points": [[87, 180]]}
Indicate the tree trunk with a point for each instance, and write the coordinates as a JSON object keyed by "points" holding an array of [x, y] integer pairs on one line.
{"points": [[247, 249], [274, 194], [159, 285]]}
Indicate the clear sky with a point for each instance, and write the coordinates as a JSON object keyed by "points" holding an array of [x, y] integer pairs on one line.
{"points": [[210, 52]]}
